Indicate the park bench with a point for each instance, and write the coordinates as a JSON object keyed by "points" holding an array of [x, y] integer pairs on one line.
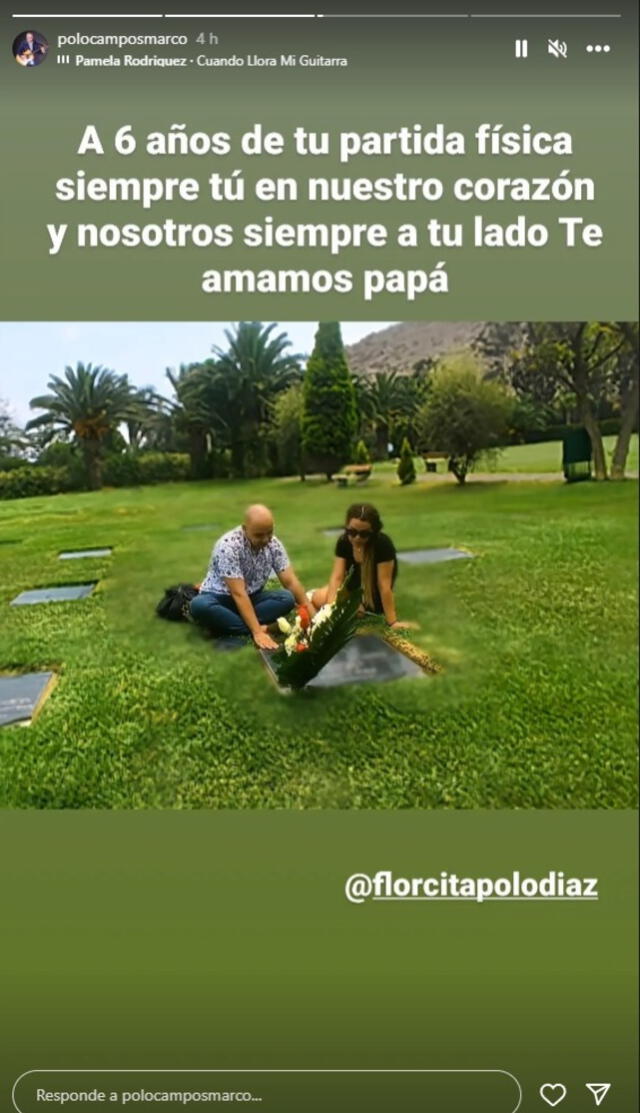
{"points": [[359, 473], [431, 460]]}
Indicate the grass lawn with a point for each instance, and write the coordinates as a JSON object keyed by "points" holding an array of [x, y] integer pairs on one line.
{"points": [[547, 457], [535, 707], [530, 459]]}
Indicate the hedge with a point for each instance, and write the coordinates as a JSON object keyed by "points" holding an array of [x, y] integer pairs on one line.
{"points": [[128, 470], [24, 482], [118, 471], [10, 463], [609, 427]]}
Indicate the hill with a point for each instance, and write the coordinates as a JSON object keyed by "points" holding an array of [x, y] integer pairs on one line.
{"points": [[401, 346]]}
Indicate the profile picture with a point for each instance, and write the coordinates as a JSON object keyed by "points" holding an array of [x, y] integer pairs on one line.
{"points": [[30, 48]]}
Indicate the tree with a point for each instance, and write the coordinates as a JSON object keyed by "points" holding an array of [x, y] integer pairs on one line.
{"points": [[626, 377], [286, 431], [13, 441], [594, 361], [498, 345], [193, 411], [388, 402], [251, 372], [149, 425], [330, 419], [381, 398], [86, 405], [406, 467], [362, 453], [412, 392], [464, 415]]}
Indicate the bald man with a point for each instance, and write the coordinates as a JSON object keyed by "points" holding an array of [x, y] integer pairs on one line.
{"points": [[232, 600]]}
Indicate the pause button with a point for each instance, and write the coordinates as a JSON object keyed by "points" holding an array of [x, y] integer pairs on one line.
{"points": [[522, 48]]}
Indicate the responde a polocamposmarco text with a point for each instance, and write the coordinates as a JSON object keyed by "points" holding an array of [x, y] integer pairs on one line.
{"points": [[234, 175]]}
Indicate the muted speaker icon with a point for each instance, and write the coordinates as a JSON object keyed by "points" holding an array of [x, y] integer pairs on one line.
{"points": [[557, 48]]}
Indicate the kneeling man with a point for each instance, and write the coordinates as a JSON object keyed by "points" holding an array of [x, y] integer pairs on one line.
{"points": [[232, 600]]}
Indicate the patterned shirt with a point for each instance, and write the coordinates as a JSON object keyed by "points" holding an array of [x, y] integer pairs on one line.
{"points": [[233, 558]]}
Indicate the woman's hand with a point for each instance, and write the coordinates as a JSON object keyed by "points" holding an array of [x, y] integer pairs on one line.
{"points": [[407, 625], [263, 640]]}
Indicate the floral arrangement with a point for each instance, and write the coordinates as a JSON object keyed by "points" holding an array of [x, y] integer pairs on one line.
{"points": [[311, 642]]}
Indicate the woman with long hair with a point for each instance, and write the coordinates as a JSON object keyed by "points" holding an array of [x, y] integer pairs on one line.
{"points": [[370, 555]]}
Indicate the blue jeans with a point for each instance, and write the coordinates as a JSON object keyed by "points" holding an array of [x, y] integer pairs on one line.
{"points": [[220, 614]]}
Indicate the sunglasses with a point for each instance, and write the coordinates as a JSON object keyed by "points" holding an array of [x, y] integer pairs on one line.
{"points": [[358, 532]]}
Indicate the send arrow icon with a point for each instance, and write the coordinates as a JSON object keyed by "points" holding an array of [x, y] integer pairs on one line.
{"points": [[599, 1090]]}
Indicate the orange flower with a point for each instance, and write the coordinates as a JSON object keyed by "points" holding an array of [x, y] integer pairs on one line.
{"points": [[301, 646], [305, 618]]}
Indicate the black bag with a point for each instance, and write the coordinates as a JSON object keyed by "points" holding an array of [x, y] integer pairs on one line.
{"points": [[175, 604]]}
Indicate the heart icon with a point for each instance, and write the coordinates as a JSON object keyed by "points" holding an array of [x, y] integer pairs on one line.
{"points": [[553, 1093]]}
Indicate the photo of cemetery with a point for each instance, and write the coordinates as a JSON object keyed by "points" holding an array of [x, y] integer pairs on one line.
{"points": [[319, 565]]}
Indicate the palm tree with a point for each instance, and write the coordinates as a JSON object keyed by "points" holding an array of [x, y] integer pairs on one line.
{"points": [[254, 369], [86, 405], [149, 426], [196, 412], [388, 403], [381, 398]]}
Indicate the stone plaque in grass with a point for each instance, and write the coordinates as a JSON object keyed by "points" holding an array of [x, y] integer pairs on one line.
{"points": [[433, 556], [63, 593], [79, 554], [366, 659], [21, 697], [334, 531]]}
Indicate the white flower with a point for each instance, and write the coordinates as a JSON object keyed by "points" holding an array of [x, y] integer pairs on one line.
{"points": [[290, 644], [284, 626], [322, 615]]}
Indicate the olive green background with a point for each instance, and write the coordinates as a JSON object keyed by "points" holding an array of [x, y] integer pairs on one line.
{"points": [[220, 940], [224, 941], [402, 72]]}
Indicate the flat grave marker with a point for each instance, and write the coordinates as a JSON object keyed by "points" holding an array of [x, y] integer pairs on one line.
{"points": [[21, 697], [334, 531], [79, 554], [201, 527], [62, 593], [366, 659], [433, 556]]}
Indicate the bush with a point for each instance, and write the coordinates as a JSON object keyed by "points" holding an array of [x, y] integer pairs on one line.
{"points": [[62, 454], [10, 463], [609, 427], [130, 469], [218, 464], [285, 431], [546, 433], [121, 470], [406, 467], [528, 419], [164, 467], [464, 416], [22, 483], [362, 454], [125, 470]]}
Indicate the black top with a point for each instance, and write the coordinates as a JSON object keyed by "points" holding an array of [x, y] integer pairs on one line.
{"points": [[383, 551]]}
